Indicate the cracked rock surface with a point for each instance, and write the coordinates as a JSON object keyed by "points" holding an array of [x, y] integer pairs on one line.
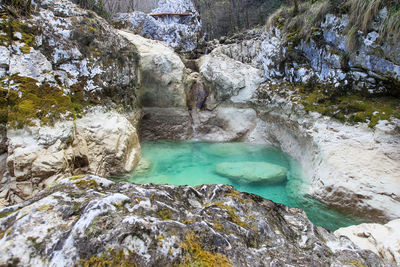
{"points": [[92, 220]]}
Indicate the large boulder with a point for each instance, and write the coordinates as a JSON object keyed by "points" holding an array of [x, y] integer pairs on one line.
{"points": [[229, 79], [93, 221], [252, 172], [101, 142], [227, 124], [162, 73]]}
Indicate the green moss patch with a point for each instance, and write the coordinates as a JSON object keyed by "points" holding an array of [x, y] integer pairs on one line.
{"points": [[111, 258], [350, 107], [11, 26], [232, 213], [197, 256], [5, 214], [77, 177], [32, 100], [87, 184], [44, 102], [165, 214], [3, 105]]}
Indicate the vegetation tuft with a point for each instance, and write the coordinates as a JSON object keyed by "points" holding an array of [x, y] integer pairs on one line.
{"points": [[308, 14], [18, 7], [350, 107], [32, 101], [110, 258], [197, 256]]}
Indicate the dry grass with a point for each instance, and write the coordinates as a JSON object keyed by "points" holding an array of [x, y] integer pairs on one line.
{"points": [[352, 38], [309, 15], [390, 29], [16, 7], [362, 13]]}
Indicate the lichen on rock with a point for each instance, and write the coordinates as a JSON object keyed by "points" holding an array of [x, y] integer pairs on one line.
{"points": [[90, 220]]}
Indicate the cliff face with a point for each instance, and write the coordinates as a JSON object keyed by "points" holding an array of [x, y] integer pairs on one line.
{"points": [[59, 65]]}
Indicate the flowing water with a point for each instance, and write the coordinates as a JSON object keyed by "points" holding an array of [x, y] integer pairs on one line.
{"points": [[194, 163]]}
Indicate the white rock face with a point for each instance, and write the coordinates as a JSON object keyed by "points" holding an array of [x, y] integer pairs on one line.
{"points": [[351, 167], [34, 65], [227, 124], [4, 60], [162, 73], [101, 142], [112, 143], [384, 240], [230, 79]]}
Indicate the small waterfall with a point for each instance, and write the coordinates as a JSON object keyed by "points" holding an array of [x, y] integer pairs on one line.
{"points": [[194, 114]]}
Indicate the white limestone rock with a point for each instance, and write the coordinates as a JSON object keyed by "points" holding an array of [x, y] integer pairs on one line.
{"points": [[34, 65], [384, 240], [353, 168], [82, 218], [162, 73], [230, 79], [227, 124], [100, 142], [112, 142]]}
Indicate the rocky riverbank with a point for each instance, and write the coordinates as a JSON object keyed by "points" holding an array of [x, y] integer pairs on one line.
{"points": [[80, 95]]}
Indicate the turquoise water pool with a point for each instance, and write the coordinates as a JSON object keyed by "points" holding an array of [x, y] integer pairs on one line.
{"points": [[194, 163]]}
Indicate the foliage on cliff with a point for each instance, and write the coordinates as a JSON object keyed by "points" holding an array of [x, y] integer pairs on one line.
{"points": [[337, 103], [16, 7], [306, 16], [94, 5], [57, 61]]}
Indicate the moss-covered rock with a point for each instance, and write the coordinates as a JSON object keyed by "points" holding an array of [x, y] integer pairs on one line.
{"points": [[119, 225], [346, 106], [59, 64], [63, 60]]}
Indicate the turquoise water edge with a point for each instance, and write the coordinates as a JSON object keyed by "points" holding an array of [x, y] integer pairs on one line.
{"points": [[194, 163]]}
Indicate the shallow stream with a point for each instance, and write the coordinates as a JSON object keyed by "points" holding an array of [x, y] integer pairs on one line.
{"points": [[195, 163]]}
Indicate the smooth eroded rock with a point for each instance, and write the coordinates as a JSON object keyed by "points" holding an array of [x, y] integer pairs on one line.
{"points": [[252, 172], [101, 142], [384, 240], [161, 73]]}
